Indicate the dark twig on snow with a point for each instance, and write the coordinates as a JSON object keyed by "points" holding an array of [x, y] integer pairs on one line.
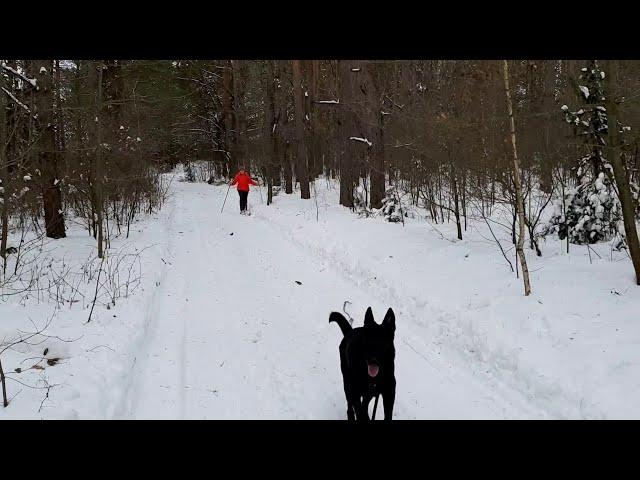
{"points": [[45, 397], [484, 217], [95, 296], [98, 346]]}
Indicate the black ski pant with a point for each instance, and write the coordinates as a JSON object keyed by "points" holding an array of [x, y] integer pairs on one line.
{"points": [[243, 200]]}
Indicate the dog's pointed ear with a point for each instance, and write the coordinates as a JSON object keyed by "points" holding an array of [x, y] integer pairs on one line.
{"points": [[390, 320], [368, 318]]}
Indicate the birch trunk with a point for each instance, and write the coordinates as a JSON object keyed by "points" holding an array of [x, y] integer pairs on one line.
{"points": [[518, 185]]}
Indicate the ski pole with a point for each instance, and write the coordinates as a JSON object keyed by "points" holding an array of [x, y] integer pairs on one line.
{"points": [[225, 198]]}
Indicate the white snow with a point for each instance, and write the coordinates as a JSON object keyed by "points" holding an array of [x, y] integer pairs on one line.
{"points": [[363, 140], [584, 90], [328, 101], [219, 328]]}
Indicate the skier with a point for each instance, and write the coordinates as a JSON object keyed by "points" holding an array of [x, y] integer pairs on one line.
{"points": [[243, 179]]}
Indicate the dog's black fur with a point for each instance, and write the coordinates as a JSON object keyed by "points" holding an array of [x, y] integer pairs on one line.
{"points": [[362, 350]]}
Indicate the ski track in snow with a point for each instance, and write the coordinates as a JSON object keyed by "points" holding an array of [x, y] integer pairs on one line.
{"points": [[230, 335]]}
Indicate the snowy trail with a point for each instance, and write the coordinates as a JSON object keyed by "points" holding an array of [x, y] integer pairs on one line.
{"points": [[231, 335]]}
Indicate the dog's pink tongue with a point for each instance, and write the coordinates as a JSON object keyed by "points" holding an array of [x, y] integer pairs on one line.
{"points": [[373, 370]]}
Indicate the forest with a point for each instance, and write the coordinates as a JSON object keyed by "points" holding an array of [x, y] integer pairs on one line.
{"points": [[530, 151]]}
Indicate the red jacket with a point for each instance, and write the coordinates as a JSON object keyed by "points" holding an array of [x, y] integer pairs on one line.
{"points": [[243, 180]]}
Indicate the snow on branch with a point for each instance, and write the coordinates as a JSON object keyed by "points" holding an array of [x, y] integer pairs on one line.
{"points": [[24, 78], [363, 140], [584, 90], [335, 102], [18, 102]]}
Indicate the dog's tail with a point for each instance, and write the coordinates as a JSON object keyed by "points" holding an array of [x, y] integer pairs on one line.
{"points": [[342, 322]]}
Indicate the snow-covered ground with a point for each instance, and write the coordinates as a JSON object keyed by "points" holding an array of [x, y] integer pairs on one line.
{"points": [[231, 320]]}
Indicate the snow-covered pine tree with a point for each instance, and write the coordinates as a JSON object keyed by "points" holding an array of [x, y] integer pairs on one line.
{"points": [[392, 209], [189, 174], [593, 210]]}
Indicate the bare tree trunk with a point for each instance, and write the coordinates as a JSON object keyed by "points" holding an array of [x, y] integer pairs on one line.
{"points": [[286, 165], [517, 183], [229, 117], [347, 153], [98, 167], [514, 217], [302, 170], [464, 199], [5, 402], [309, 71], [280, 107], [48, 151], [4, 174], [619, 169], [318, 157], [377, 150], [240, 120], [5, 224], [270, 127], [59, 115], [456, 202]]}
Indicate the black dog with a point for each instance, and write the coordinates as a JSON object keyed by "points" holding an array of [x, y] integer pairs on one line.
{"points": [[367, 359]]}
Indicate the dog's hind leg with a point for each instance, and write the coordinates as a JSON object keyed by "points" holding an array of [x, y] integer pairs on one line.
{"points": [[351, 416], [355, 410], [351, 406]]}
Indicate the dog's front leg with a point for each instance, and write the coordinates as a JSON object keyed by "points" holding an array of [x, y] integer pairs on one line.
{"points": [[361, 409], [365, 405], [354, 405], [350, 415], [388, 398]]}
